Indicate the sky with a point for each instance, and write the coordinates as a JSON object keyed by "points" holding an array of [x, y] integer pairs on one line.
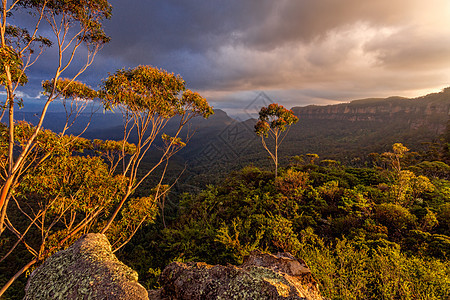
{"points": [[297, 52]]}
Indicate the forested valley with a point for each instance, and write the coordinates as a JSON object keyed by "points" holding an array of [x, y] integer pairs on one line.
{"points": [[360, 190], [376, 224], [366, 233]]}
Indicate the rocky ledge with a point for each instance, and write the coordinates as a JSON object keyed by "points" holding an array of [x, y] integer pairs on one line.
{"points": [[86, 270], [261, 276], [89, 270]]}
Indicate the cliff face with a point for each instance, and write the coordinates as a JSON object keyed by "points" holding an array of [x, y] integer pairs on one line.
{"points": [[430, 111]]}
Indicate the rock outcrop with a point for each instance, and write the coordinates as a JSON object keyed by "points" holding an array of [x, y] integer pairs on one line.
{"points": [[86, 270], [89, 270], [261, 276]]}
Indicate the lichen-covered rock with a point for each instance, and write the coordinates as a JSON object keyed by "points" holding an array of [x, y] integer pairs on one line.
{"points": [[86, 270], [261, 276], [281, 262]]}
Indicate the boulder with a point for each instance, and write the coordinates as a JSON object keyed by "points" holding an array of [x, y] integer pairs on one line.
{"points": [[86, 270], [261, 276]]}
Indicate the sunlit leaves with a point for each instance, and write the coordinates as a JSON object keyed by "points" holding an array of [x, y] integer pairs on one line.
{"points": [[72, 182], [48, 142], [196, 103], [153, 91], [106, 146], [292, 183], [69, 89], [77, 8], [144, 88], [407, 187], [89, 14], [282, 233], [12, 60], [229, 236], [65, 182], [175, 141], [274, 116], [139, 208], [262, 128]]}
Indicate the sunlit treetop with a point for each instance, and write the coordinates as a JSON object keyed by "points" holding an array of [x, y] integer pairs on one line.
{"points": [[275, 117], [70, 89], [154, 91], [76, 8], [90, 14], [399, 149]]}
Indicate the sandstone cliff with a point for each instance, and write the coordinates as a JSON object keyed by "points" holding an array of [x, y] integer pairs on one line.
{"points": [[430, 111]]}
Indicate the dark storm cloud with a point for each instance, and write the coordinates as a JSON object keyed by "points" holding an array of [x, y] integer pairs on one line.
{"points": [[200, 26], [156, 28]]}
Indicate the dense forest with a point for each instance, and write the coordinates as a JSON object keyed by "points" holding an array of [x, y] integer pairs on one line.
{"points": [[379, 232], [376, 226]]}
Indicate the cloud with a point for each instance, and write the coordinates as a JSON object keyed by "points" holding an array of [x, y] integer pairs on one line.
{"points": [[301, 52], [411, 49]]}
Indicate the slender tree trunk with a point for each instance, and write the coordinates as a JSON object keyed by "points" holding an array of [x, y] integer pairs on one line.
{"points": [[3, 202], [116, 212], [17, 275], [11, 122], [10, 98], [276, 154]]}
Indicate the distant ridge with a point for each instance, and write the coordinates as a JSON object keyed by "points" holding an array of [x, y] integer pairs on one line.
{"points": [[429, 111]]}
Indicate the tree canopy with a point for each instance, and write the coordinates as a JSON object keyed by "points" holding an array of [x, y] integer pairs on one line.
{"points": [[273, 121], [55, 187]]}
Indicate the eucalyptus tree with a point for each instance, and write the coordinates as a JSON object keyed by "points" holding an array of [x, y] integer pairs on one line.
{"points": [[67, 195], [71, 26], [273, 122], [405, 187], [148, 99], [61, 195], [74, 29]]}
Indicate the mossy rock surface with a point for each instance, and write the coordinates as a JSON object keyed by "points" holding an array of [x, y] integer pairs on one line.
{"points": [[262, 276], [86, 270]]}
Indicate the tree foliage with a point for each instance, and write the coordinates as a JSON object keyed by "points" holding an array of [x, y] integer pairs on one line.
{"points": [[273, 121], [345, 222], [148, 98], [72, 24], [58, 187]]}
